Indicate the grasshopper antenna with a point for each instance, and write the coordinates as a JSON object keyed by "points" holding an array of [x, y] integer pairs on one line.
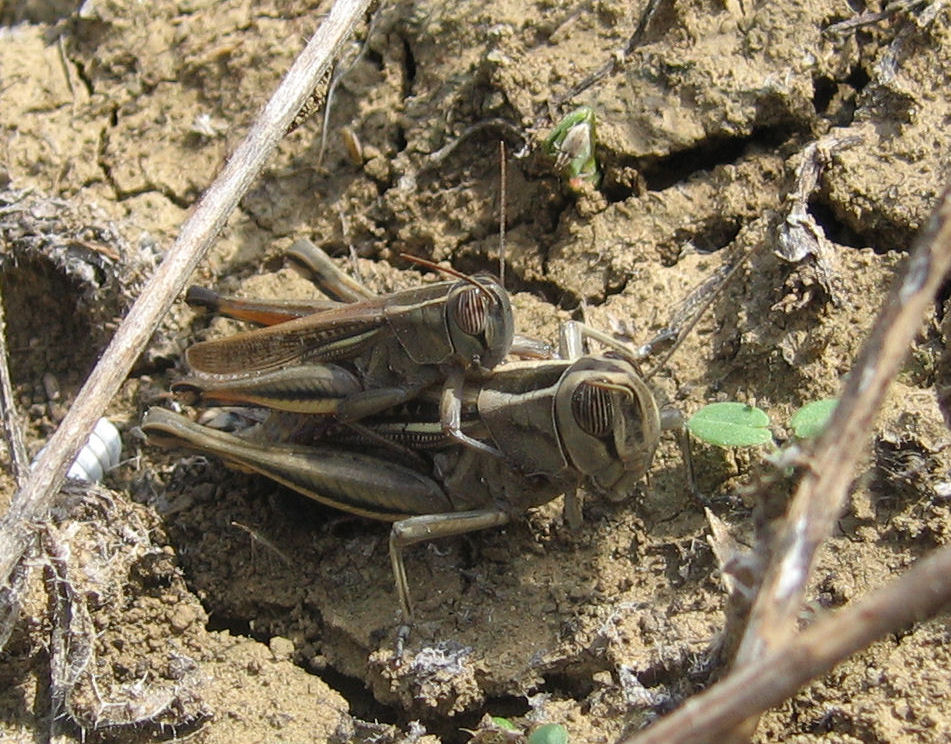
{"points": [[503, 190], [700, 311], [446, 270], [458, 275]]}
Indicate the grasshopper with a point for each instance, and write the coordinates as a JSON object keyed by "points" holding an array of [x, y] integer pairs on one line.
{"points": [[558, 424], [357, 357]]}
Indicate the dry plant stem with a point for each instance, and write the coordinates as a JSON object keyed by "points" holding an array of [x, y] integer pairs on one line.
{"points": [[503, 195], [770, 667], [12, 588], [821, 494], [922, 592], [868, 18], [11, 421], [32, 502], [615, 63], [257, 537]]}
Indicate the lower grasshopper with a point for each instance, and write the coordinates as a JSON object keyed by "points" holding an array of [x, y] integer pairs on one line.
{"points": [[354, 358]]}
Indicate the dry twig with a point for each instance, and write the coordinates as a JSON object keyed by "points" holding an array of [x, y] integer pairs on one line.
{"points": [[258, 537], [769, 666], [11, 423], [898, 7], [616, 62], [32, 502], [921, 592], [20, 462]]}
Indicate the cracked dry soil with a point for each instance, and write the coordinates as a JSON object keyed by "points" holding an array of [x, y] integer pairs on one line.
{"points": [[184, 599]]}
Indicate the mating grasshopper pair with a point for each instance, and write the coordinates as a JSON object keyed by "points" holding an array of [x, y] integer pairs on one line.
{"points": [[428, 432]]}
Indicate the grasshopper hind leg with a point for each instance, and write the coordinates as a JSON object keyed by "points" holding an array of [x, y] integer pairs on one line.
{"points": [[418, 529], [258, 311], [325, 274]]}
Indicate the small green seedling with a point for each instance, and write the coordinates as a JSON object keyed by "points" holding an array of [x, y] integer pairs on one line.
{"points": [[498, 730], [572, 144], [549, 733], [732, 424], [504, 723], [809, 421]]}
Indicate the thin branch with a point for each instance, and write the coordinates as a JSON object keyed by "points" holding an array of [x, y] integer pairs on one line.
{"points": [[257, 536], [341, 70], [616, 62], [821, 494], [870, 17], [32, 502], [11, 421], [766, 656], [919, 594], [502, 125]]}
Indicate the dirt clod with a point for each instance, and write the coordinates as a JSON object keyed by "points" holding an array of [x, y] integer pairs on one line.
{"points": [[187, 599]]}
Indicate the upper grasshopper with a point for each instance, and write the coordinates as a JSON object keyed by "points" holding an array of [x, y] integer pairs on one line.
{"points": [[353, 359]]}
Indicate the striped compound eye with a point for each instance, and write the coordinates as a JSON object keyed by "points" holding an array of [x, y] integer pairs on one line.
{"points": [[471, 311], [593, 409]]}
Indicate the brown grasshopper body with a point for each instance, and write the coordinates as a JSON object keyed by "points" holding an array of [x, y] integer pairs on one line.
{"points": [[560, 424], [351, 360], [591, 419], [531, 431]]}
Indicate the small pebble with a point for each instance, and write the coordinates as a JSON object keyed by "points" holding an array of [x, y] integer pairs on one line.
{"points": [[281, 648]]}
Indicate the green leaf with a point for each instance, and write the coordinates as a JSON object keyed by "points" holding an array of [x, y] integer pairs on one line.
{"points": [[581, 115], [811, 419], [549, 733], [730, 424], [572, 144], [504, 723]]}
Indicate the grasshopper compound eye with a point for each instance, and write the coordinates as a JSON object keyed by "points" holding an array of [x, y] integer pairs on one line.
{"points": [[593, 409], [608, 421], [471, 310]]}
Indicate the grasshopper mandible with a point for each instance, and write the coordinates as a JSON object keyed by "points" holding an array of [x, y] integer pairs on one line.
{"points": [[357, 357]]}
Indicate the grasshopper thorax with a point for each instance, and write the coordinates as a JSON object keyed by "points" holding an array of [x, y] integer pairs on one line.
{"points": [[480, 321], [608, 420]]}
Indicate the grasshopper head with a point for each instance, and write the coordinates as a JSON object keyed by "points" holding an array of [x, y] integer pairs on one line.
{"points": [[481, 325], [608, 421]]}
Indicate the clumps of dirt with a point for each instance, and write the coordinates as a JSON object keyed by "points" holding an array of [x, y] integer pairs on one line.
{"points": [[129, 655], [68, 274], [125, 633], [442, 676], [237, 598], [101, 273]]}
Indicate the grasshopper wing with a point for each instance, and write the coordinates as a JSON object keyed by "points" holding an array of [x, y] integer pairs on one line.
{"points": [[341, 333]]}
